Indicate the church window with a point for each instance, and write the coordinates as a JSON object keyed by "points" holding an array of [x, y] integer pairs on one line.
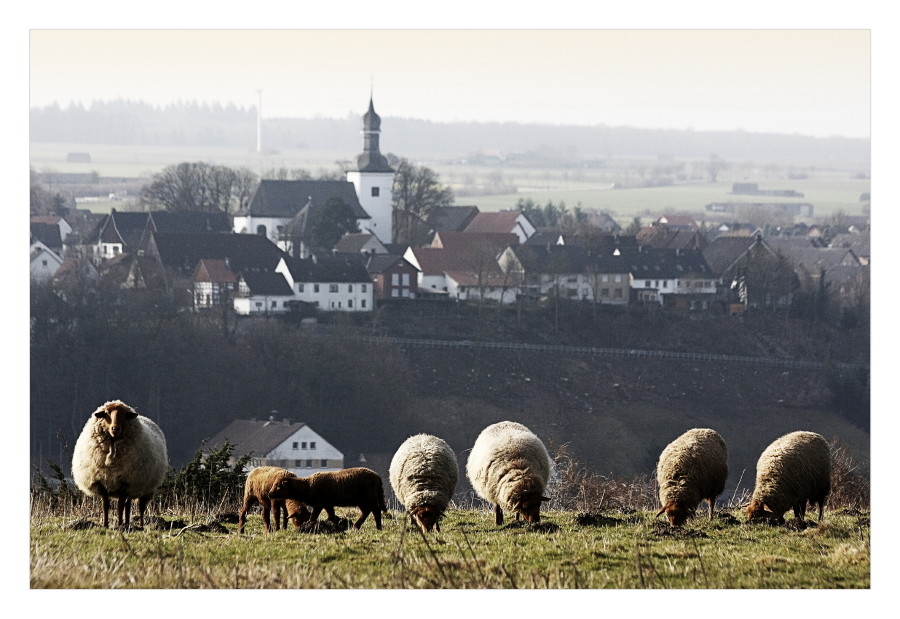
{"points": [[375, 192]]}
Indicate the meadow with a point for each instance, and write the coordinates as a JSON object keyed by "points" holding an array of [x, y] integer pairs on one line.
{"points": [[626, 549]]}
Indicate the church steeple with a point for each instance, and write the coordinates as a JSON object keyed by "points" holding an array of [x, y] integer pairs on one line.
{"points": [[371, 159]]}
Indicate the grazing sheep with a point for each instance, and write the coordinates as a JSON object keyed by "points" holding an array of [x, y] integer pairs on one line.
{"points": [[356, 487], [509, 466], [256, 490], [794, 469], [423, 474], [691, 468], [120, 454]]}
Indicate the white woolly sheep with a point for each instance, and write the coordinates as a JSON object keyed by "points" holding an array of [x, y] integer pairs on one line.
{"points": [[423, 474], [120, 454], [256, 490], [355, 487], [509, 467], [691, 468], [793, 470]]}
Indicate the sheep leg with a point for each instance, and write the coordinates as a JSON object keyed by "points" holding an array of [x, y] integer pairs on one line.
{"points": [[127, 511], [362, 518], [711, 502], [104, 499], [331, 515], [498, 513], [249, 502], [142, 507], [266, 510], [376, 514], [120, 508]]}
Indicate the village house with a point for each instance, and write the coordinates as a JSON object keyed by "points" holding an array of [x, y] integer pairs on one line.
{"points": [[44, 262], [329, 283], [278, 442], [393, 277], [672, 278], [214, 283], [514, 222]]}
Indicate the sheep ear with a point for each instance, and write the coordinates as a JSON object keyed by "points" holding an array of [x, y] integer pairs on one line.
{"points": [[543, 498], [101, 414], [660, 512], [130, 413]]}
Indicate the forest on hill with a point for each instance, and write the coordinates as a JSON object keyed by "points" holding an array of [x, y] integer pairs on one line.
{"points": [[204, 124]]}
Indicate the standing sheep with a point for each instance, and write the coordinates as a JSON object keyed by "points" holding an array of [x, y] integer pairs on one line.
{"points": [[794, 469], [356, 487], [256, 490], [423, 474], [509, 467], [120, 454], [691, 468]]}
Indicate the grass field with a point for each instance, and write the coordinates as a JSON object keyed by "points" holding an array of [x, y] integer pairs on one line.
{"points": [[565, 551]]}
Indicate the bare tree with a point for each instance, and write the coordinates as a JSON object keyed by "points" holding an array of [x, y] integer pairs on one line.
{"points": [[417, 191], [198, 187]]}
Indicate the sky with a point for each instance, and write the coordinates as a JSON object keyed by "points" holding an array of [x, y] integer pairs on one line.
{"points": [[813, 82]]}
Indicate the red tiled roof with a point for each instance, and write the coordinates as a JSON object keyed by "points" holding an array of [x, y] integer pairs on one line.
{"points": [[503, 221]]}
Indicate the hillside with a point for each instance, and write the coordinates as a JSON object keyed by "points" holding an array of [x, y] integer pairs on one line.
{"points": [[616, 414]]}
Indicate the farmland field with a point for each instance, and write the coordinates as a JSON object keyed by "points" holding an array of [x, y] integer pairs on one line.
{"points": [[567, 550], [829, 191]]}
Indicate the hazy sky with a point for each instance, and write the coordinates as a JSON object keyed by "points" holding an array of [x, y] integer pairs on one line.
{"points": [[812, 82]]}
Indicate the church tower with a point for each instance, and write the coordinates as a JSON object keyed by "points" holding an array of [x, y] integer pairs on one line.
{"points": [[373, 179]]}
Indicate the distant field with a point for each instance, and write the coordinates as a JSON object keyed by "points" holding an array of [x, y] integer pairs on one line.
{"points": [[829, 191]]}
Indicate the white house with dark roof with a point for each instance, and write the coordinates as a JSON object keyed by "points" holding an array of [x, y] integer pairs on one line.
{"points": [[278, 442], [330, 283]]}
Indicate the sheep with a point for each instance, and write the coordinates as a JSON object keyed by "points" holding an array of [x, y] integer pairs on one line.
{"points": [[120, 454], [691, 468], [355, 487], [259, 482], [794, 469], [509, 467], [423, 475]]}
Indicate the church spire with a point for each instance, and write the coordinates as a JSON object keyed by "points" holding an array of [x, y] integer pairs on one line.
{"points": [[371, 159]]}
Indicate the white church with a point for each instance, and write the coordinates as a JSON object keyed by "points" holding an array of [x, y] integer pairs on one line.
{"points": [[279, 209]]}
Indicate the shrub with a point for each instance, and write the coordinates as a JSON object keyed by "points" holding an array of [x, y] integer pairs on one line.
{"points": [[850, 485], [209, 481], [574, 486]]}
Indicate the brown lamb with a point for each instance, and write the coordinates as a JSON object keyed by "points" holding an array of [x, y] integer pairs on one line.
{"points": [[355, 487], [256, 490]]}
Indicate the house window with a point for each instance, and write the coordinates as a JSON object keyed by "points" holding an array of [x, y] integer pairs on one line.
{"points": [[312, 444], [406, 279], [350, 303], [618, 293], [647, 283], [309, 464], [303, 445], [259, 305], [315, 287], [604, 278], [324, 464], [299, 287], [395, 292], [274, 304], [665, 283], [261, 230], [332, 288], [618, 279], [349, 287], [395, 279], [296, 445], [604, 292], [375, 192], [362, 303]]}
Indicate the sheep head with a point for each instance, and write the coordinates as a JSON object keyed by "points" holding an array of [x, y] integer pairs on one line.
{"points": [[290, 488], [760, 511], [114, 417], [529, 506], [426, 516], [676, 513]]}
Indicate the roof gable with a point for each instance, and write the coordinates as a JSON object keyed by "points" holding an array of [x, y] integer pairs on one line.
{"points": [[257, 437]]}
